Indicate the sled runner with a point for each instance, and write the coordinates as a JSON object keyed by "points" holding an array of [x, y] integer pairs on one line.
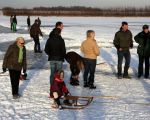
{"points": [[76, 102]]}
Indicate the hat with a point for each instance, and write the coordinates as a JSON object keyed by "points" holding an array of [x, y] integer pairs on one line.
{"points": [[145, 27]]}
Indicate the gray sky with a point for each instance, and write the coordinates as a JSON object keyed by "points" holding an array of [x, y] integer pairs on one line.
{"points": [[88, 3]]}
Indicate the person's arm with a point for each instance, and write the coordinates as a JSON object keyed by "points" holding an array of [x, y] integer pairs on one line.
{"points": [[96, 49], [47, 49], [81, 48], [63, 48], [6, 57], [24, 60], [131, 44], [116, 41]]}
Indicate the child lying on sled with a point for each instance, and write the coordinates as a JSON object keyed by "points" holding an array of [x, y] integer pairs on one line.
{"points": [[59, 89]]}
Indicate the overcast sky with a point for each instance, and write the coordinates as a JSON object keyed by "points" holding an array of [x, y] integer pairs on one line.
{"points": [[88, 3]]}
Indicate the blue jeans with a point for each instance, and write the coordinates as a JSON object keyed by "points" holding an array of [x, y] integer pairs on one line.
{"points": [[90, 65], [54, 66], [123, 54]]}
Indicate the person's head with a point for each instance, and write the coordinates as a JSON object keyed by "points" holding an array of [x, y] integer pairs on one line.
{"points": [[124, 26], [145, 28], [90, 34], [57, 31], [36, 21], [61, 74], [59, 25], [20, 41]]}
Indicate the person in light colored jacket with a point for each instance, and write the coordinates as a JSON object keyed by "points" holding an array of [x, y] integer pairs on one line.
{"points": [[90, 49]]}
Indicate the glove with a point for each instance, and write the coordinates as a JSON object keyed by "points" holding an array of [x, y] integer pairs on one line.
{"points": [[25, 75], [4, 70]]}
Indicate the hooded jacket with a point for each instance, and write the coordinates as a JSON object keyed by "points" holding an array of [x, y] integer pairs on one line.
{"points": [[58, 86]]}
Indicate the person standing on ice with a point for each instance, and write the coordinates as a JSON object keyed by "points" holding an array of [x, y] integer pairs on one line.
{"points": [[15, 61], [123, 42], [57, 25], [56, 51], [90, 49], [28, 23], [14, 23], [11, 22], [35, 31], [143, 50]]}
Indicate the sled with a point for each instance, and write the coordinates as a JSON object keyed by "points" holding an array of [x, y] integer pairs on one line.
{"points": [[77, 102]]}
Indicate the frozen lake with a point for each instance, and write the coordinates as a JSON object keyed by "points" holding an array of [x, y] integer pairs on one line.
{"points": [[129, 99]]}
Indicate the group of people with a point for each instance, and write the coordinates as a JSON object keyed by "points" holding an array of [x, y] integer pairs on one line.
{"points": [[15, 58], [123, 43], [13, 23]]}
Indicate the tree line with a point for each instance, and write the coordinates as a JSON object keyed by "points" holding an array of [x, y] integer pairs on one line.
{"points": [[77, 11]]}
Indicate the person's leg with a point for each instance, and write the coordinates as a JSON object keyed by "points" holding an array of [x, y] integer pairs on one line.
{"points": [[86, 72], [146, 67], [35, 44], [140, 66], [38, 44], [53, 70], [14, 77], [127, 63], [59, 65], [92, 73], [120, 59]]}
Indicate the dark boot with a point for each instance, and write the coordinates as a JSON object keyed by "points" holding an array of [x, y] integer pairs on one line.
{"points": [[119, 72], [125, 75]]}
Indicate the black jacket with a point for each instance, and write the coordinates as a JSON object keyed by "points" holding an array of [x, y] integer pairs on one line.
{"points": [[55, 48], [143, 40]]}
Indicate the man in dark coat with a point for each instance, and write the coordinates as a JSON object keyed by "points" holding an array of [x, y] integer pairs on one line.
{"points": [[123, 42], [57, 25], [35, 31], [76, 65], [28, 22], [15, 61], [143, 50], [56, 51]]}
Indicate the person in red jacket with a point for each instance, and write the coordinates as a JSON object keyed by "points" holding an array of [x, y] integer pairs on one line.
{"points": [[59, 89]]}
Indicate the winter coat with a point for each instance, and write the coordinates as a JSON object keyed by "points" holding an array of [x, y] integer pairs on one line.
{"points": [[123, 39], [55, 48], [11, 58], [15, 20], [90, 49], [73, 59], [58, 86], [35, 30], [28, 21], [144, 43]]}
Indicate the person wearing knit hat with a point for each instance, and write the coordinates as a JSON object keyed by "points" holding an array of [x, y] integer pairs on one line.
{"points": [[143, 50]]}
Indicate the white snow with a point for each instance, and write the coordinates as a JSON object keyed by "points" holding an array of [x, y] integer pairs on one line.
{"points": [[125, 99]]}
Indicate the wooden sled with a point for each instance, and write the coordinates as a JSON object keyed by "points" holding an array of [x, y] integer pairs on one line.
{"points": [[77, 102]]}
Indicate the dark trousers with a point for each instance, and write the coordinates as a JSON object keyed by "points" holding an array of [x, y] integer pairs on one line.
{"points": [[140, 67], [90, 65], [14, 78], [37, 47], [127, 56]]}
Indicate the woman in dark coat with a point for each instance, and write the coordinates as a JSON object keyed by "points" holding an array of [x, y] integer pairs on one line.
{"points": [[15, 61], [143, 50], [76, 65]]}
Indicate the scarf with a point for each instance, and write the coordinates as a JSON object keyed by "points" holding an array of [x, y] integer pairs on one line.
{"points": [[20, 58]]}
